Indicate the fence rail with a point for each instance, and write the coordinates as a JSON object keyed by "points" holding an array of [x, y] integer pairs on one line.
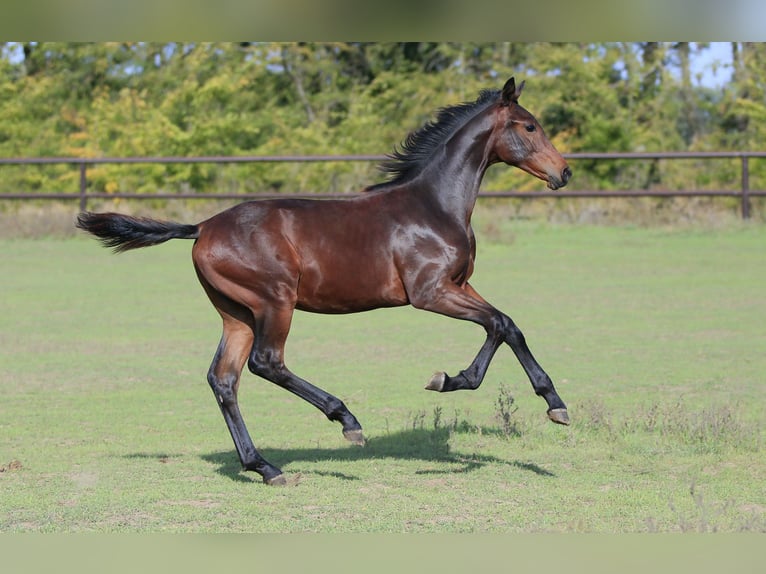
{"points": [[744, 193]]}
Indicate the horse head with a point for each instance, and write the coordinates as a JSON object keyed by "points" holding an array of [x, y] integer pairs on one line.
{"points": [[519, 140]]}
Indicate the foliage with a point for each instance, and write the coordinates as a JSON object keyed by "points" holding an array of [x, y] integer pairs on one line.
{"points": [[177, 99]]}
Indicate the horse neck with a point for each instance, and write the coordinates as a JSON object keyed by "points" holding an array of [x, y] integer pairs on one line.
{"points": [[452, 179]]}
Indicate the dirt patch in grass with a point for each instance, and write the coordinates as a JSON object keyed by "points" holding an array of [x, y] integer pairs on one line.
{"points": [[11, 466]]}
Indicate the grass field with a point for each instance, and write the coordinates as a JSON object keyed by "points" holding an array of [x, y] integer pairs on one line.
{"points": [[655, 338]]}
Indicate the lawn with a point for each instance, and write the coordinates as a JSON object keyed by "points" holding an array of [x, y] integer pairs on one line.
{"points": [[654, 337]]}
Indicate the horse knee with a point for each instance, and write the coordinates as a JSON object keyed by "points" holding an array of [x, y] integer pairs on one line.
{"points": [[499, 325], [510, 332]]}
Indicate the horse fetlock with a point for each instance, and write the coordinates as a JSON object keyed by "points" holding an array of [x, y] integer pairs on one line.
{"points": [[336, 410], [269, 473]]}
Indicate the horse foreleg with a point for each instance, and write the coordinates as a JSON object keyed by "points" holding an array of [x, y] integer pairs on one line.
{"points": [[223, 377], [541, 382], [267, 361], [465, 303]]}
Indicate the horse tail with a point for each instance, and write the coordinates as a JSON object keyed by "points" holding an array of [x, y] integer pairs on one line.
{"points": [[123, 232]]}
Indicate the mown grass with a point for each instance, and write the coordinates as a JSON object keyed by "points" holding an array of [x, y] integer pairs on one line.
{"points": [[654, 337]]}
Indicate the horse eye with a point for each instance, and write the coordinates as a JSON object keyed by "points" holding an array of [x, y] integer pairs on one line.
{"points": [[530, 128]]}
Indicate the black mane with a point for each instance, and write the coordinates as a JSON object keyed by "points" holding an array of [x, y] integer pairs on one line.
{"points": [[407, 160]]}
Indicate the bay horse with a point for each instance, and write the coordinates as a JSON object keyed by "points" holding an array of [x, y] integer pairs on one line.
{"points": [[407, 241]]}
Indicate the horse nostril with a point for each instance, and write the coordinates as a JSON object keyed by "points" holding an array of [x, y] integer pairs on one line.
{"points": [[566, 174]]}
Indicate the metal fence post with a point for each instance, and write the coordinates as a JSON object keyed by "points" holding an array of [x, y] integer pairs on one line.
{"points": [[745, 188]]}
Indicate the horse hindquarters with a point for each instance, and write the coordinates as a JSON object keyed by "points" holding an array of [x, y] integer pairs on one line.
{"points": [[256, 308]]}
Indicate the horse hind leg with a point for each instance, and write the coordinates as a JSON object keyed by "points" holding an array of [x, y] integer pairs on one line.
{"points": [[267, 361], [223, 377]]}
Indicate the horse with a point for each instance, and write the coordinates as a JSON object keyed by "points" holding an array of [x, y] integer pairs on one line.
{"points": [[405, 241]]}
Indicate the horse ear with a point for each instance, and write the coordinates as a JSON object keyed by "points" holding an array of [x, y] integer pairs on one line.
{"points": [[510, 92], [509, 89], [518, 90]]}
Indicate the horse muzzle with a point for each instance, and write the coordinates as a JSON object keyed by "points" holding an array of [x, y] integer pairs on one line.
{"points": [[555, 182]]}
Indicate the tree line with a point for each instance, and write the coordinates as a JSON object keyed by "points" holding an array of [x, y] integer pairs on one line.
{"points": [[256, 98]]}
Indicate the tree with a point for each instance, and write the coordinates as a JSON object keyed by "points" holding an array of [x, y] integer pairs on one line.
{"points": [[172, 98]]}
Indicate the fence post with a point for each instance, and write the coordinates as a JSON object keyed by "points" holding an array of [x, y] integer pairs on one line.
{"points": [[83, 187], [745, 188]]}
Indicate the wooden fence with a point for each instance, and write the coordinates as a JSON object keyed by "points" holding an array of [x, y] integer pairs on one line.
{"points": [[743, 192]]}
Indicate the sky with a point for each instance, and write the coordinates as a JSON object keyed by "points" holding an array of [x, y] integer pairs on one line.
{"points": [[713, 65]]}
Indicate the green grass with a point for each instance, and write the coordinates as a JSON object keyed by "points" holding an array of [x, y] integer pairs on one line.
{"points": [[655, 338]]}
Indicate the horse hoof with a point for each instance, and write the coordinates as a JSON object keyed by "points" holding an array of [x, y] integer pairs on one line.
{"points": [[354, 436], [278, 480], [437, 382], [559, 416]]}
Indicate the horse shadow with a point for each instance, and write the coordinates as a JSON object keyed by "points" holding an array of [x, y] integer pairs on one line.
{"points": [[422, 444]]}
